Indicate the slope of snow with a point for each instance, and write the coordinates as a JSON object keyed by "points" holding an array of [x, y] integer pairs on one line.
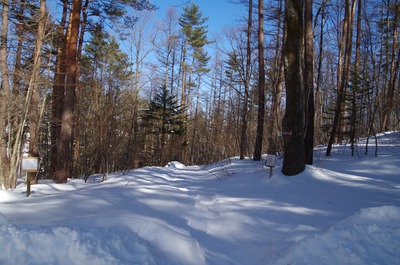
{"points": [[341, 210]]}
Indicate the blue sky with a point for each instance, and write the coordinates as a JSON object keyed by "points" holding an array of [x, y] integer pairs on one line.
{"points": [[220, 13]]}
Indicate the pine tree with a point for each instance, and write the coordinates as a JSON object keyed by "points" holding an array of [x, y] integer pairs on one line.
{"points": [[163, 120], [194, 59]]}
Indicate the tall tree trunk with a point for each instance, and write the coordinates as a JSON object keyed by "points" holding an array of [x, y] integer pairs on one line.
{"points": [[243, 134], [356, 84], [293, 122], [4, 99], [76, 148], [34, 115], [346, 42], [17, 80], [319, 111], [17, 75], [261, 84], [65, 145], [57, 96], [183, 101], [277, 88], [309, 81]]}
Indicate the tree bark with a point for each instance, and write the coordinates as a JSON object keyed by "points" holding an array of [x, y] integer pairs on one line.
{"points": [[4, 99], [243, 133], [57, 95], [309, 81], [65, 145], [293, 122], [261, 84]]}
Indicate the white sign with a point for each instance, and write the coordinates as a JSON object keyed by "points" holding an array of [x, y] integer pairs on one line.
{"points": [[285, 133], [270, 161], [29, 164]]}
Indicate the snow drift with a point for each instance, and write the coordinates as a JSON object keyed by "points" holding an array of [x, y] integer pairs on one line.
{"points": [[342, 210]]}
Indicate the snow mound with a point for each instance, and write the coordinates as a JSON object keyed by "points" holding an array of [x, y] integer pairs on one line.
{"points": [[176, 165], [71, 245], [371, 236], [9, 196]]}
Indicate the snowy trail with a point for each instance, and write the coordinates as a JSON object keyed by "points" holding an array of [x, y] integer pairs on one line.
{"points": [[228, 213]]}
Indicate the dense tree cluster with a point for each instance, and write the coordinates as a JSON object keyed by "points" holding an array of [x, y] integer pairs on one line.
{"points": [[93, 86]]}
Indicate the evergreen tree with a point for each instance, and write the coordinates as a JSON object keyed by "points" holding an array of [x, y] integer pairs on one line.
{"points": [[163, 120], [194, 60]]}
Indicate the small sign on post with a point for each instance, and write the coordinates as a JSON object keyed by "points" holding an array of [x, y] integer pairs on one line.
{"points": [[29, 165], [270, 163]]}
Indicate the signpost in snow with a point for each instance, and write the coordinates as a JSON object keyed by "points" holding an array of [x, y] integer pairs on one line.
{"points": [[29, 165], [270, 163]]}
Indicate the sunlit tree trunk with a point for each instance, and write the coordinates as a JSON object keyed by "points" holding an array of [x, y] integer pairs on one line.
{"points": [[65, 144], [4, 99], [57, 96]]}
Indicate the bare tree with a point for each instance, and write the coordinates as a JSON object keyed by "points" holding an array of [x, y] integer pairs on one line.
{"points": [[11, 140], [394, 70], [343, 69], [34, 114]]}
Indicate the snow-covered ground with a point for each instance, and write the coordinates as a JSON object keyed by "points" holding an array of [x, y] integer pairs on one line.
{"points": [[341, 210]]}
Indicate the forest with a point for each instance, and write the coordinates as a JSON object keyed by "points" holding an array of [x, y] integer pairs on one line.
{"points": [[99, 86]]}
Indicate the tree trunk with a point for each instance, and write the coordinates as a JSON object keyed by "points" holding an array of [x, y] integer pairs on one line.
{"points": [[273, 142], [261, 84], [34, 115], [394, 67], [309, 81], [243, 134], [356, 81], [346, 43], [65, 145], [4, 99], [294, 119], [319, 111], [58, 91]]}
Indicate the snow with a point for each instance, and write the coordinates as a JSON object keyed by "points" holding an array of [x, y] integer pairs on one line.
{"points": [[341, 210]]}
